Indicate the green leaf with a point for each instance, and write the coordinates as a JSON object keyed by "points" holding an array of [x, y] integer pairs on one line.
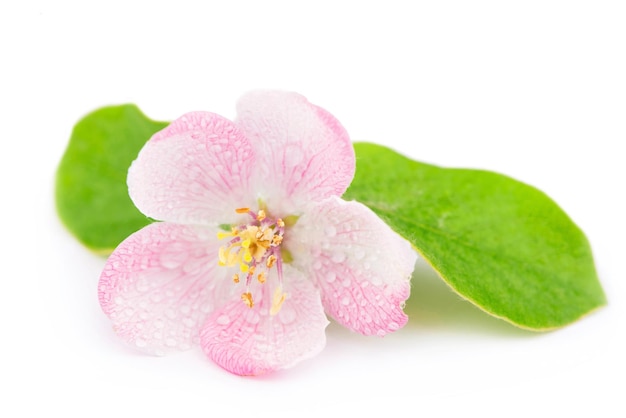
{"points": [[501, 244], [91, 193]]}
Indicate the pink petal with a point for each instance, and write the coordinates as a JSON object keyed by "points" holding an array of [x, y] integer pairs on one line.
{"points": [[304, 154], [249, 341], [360, 265], [195, 171], [160, 284]]}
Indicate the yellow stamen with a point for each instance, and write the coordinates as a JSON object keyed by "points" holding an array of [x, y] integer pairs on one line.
{"points": [[276, 240], [247, 256], [236, 278], [221, 257], [277, 300], [247, 299], [270, 261], [222, 234], [242, 210], [280, 222], [261, 277], [261, 215], [246, 243], [244, 267]]}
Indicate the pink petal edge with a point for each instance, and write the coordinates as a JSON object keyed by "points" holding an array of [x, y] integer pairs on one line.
{"points": [[362, 267], [195, 171], [160, 284], [248, 341], [304, 154]]}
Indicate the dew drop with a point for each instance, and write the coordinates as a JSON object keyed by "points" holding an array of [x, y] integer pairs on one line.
{"points": [[345, 301], [287, 315], [142, 286], [331, 276], [252, 318], [393, 326], [338, 257], [172, 260], [223, 320]]}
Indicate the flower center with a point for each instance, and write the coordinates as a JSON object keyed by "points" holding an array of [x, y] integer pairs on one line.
{"points": [[255, 247]]}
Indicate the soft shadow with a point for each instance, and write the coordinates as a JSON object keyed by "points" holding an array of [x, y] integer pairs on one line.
{"points": [[433, 305]]}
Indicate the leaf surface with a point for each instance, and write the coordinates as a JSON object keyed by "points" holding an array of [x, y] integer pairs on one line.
{"points": [[91, 193], [501, 244]]}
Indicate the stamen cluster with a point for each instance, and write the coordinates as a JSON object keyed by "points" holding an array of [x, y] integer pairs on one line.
{"points": [[255, 247]]}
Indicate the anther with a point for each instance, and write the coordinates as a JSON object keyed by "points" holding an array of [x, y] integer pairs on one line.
{"points": [[236, 278], [242, 210], [247, 299], [280, 223], [270, 261], [261, 215], [277, 301], [261, 277]]}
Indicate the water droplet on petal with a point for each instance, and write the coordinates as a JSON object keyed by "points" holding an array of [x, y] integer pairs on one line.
{"points": [[287, 315], [331, 276], [338, 257], [393, 326], [172, 260]]}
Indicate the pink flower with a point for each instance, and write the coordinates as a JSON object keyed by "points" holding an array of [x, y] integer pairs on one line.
{"points": [[256, 243]]}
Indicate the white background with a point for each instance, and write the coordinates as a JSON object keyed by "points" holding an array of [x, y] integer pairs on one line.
{"points": [[533, 89]]}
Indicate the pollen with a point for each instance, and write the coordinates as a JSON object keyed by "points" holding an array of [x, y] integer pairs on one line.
{"points": [[261, 277], [236, 278], [271, 260], [280, 223], [242, 210], [247, 299], [261, 215]]}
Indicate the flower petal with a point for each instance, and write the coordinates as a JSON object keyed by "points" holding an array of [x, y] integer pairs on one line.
{"points": [[361, 266], [161, 283], [195, 171], [304, 154], [250, 341]]}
